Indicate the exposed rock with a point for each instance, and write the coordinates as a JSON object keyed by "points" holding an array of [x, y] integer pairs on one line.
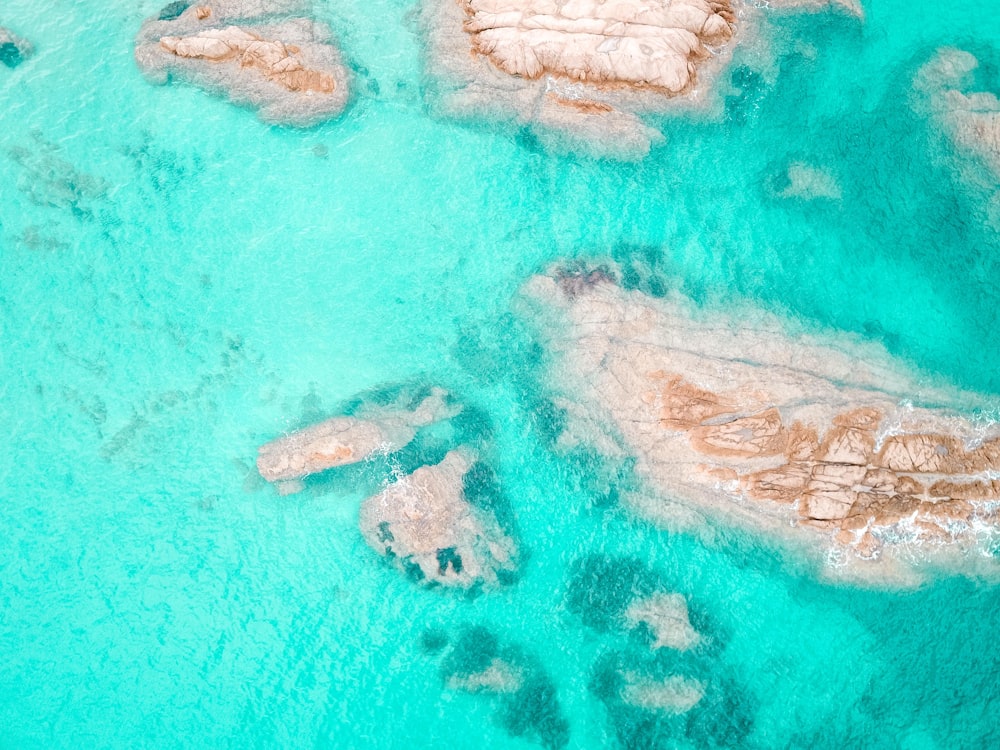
{"points": [[742, 419], [426, 525], [289, 69], [666, 615], [346, 440], [674, 695], [13, 49], [643, 43], [582, 70]]}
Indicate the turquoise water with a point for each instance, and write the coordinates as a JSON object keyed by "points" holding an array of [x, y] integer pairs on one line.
{"points": [[180, 283]]}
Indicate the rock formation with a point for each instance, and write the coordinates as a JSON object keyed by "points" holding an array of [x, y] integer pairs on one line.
{"points": [[348, 439], [426, 526], [13, 49], [741, 420], [582, 74], [285, 67], [666, 616], [583, 69]]}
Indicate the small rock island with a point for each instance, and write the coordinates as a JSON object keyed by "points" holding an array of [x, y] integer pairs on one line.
{"points": [[259, 54]]}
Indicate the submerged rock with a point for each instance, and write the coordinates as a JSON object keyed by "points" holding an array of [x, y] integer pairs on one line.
{"points": [[285, 67], [525, 697], [970, 120], [666, 616], [13, 49], [427, 526], [674, 695], [349, 439], [740, 419]]}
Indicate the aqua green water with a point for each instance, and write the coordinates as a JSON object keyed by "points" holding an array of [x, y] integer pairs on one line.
{"points": [[180, 283]]}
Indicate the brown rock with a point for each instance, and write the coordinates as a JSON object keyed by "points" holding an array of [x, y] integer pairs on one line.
{"points": [[746, 437]]}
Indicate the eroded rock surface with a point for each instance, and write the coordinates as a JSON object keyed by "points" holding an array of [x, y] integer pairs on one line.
{"points": [[740, 419], [349, 439], [285, 67], [13, 49], [583, 70], [426, 525], [644, 43]]}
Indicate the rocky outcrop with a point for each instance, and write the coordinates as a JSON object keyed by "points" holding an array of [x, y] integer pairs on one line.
{"points": [[583, 75], [348, 439], [285, 67], [13, 49], [584, 70], [643, 43], [427, 526], [735, 417], [666, 616]]}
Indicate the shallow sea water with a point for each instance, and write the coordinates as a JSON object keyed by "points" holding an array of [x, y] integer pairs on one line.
{"points": [[180, 283]]}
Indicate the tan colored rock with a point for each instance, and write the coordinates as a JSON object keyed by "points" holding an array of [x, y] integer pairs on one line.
{"points": [[347, 440], [582, 72], [666, 615], [756, 425], [425, 522], [646, 43], [288, 70]]}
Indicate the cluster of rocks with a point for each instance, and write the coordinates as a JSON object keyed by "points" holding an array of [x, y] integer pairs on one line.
{"points": [[438, 523], [13, 49], [260, 53], [740, 419]]}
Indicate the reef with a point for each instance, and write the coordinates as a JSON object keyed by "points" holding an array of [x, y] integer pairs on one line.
{"points": [[371, 428], [733, 417], [13, 49], [666, 616], [429, 527], [260, 54]]}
